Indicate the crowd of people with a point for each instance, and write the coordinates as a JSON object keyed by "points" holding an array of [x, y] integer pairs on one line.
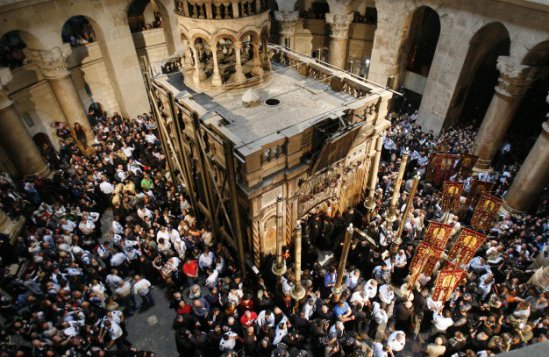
{"points": [[85, 274]]}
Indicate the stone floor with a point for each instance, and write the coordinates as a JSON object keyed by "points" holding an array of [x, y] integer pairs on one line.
{"points": [[152, 330]]}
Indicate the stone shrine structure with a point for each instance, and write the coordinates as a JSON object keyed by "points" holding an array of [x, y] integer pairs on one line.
{"points": [[250, 124], [59, 80]]}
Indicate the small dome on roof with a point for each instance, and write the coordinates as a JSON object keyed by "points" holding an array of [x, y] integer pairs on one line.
{"points": [[250, 98]]}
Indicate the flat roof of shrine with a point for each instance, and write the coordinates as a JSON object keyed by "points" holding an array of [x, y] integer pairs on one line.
{"points": [[288, 104]]}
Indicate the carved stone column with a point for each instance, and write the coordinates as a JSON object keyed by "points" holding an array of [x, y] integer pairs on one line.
{"points": [[216, 77], [532, 177], [257, 69], [15, 138], [287, 21], [513, 82], [337, 51], [54, 67], [239, 76]]}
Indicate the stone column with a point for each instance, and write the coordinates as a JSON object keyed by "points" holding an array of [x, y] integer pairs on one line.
{"points": [[16, 140], [337, 51], [257, 69], [287, 21], [54, 67], [514, 80], [216, 77], [239, 76], [532, 177], [196, 74], [390, 36]]}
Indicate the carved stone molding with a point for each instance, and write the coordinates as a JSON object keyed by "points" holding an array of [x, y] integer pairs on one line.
{"points": [[514, 79], [339, 24], [287, 20], [53, 62], [5, 78]]}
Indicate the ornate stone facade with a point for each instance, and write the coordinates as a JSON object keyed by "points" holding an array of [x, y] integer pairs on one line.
{"points": [[287, 21]]}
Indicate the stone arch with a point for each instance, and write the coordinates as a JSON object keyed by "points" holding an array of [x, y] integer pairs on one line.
{"points": [[225, 33], [478, 77]]}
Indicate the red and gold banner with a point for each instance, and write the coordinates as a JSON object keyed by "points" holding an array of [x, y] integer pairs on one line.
{"points": [[437, 234], [485, 212], [477, 188], [423, 253], [465, 165], [451, 193], [440, 168], [447, 281], [465, 247]]}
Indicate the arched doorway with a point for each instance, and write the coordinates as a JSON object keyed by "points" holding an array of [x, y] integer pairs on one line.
{"points": [[479, 75], [11, 50], [418, 54]]}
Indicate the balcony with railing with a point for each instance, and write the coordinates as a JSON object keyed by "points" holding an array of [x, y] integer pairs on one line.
{"points": [[220, 9]]}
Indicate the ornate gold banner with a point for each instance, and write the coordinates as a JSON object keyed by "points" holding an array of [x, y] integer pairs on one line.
{"points": [[465, 165], [487, 208], [465, 247], [440, 168], [451, 193], [437, 234], [447, 281], [423, 252], [477, 188]]}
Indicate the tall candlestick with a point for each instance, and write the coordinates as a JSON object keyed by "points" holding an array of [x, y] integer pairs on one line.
{"points": [[279, 267], [371, 202], [392, 213], [338, 288], [407, 209], [298, 292]]}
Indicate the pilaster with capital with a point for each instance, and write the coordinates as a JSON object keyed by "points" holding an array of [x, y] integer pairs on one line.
{"points": [[513, 82]]}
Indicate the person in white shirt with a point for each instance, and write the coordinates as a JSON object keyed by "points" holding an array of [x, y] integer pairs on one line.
{"points": [[396, 341], [387, 297], [68, 225], [211, 280], [370, 289], [142, 287], [86, 226], [378, 323], [265, 317], [118, 259], [206, 259], [441, 322], [106, 187], [228, 341], [113, 280]]}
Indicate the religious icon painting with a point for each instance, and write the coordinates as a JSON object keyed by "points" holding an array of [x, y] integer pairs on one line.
{"points": [[485, 212], [447, 281], [437, 234], [477, 188], [466, 246], [451, 194]]}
